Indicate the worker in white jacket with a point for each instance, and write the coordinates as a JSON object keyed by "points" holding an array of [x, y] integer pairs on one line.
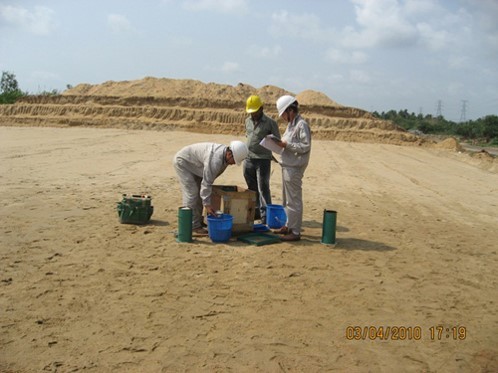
{"points": [[197, 167], [296, 142]]}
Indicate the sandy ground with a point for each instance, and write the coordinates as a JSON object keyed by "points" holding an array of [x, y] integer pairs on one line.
{"points": [[417, 248]]}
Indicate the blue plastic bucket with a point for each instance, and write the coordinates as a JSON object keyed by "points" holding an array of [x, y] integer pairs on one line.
{"points": [[275, 216], [220, 227]]}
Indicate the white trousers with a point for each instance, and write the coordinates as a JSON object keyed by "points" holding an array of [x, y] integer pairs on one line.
{"points": [[292, 180], [191, 186]]}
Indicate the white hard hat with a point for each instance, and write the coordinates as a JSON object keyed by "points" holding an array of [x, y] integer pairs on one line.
{"points": [[239, 151], [283, 103]]}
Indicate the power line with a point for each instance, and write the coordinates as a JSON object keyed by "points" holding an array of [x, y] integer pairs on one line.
{"points": [[439, 112], [463, 111]]}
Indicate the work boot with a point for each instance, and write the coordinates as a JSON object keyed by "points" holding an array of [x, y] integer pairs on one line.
{"points": [[291, 237], [283, 230], [199, 232]]}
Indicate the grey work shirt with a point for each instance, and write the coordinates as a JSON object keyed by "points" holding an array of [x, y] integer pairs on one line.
{"points": [[206, 160], [255, 132], [298, 138]]}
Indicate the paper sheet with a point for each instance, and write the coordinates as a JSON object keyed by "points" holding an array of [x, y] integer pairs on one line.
{"points": [[269, 144]]}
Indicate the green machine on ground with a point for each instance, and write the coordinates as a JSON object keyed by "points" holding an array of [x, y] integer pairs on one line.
{"points": [[136, 209]]}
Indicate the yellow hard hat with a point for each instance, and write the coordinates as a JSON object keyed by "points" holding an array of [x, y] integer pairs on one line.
{"points": [[253, 104]]}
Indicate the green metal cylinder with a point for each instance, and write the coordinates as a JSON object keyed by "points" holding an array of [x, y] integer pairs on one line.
{"points": [[184, 224], [329, 227]]}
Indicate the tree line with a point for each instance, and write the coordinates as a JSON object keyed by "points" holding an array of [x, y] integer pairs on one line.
{"points": [[9, 88], [10, 91], [480, 131]]}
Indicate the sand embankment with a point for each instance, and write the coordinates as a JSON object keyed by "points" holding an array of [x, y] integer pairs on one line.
{"points": [[189, 105]]}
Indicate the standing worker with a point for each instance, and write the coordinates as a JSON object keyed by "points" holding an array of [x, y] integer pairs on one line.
{"points": [[197, 166], [296, 143], [257, 167]]}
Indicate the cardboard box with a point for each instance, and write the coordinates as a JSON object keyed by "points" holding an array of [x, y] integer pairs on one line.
{"points": [[238, 202]]}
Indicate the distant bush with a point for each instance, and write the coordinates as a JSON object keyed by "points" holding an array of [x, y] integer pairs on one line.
{"points": [[9, 88], [483, 130], [10, 97], [53, 92]]}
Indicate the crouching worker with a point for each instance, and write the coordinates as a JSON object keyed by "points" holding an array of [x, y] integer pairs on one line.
{"points": [[197, 167]]}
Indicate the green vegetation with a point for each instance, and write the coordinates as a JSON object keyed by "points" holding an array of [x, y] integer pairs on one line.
{"points": [[481, 131], [10, 92], [9, 88]]}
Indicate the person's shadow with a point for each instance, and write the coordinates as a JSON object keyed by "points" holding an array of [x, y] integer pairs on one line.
{"points": [[316, 224], [364, 245]]}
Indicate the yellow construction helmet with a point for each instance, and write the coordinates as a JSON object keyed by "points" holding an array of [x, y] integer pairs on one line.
{"points": [[253, 104]]}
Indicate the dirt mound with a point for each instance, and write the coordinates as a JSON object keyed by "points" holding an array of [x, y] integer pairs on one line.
{"points": [[187, 88], [191, 105], [481, 159], [310, 97], [173, 88], [450, 144], [484, 156]]}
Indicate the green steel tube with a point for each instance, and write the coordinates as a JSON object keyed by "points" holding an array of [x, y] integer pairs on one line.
{"points": [[329, 227], [184, 224]]}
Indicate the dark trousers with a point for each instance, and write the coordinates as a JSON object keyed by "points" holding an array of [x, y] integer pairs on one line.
{"points": [[257, 174]]}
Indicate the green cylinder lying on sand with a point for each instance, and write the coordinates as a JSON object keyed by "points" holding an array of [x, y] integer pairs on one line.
{"points": [[329, 227], [184, 224]]}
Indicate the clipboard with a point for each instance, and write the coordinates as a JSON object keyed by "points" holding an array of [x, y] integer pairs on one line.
{"points": [[269, 144]]}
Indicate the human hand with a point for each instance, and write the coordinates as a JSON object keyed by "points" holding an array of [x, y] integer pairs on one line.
{"points": [[278, 141], [209, 210]]}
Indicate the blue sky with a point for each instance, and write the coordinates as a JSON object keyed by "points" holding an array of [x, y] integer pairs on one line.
{"points": [[371, 54]]}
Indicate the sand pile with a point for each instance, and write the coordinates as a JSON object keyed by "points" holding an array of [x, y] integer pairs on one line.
{"points": [[485, 160], [190, 105], [314, 98], [188, 88], [450, 144], [481, 159], [174, 88]]}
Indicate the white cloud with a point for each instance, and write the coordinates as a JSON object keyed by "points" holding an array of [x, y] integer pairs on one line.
{"points": [[346, 57], [45, 75], [118, 23], [485, 14], [458, 62], [264, 52], [409, 23], [180, 41], [335, 78], [227, 67], [456, 89], [39, 21], [492, 42], [230, 67], [434, 39], [303, 26], [415, 7], [360, 76], [382, 23], [222, 6]]}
